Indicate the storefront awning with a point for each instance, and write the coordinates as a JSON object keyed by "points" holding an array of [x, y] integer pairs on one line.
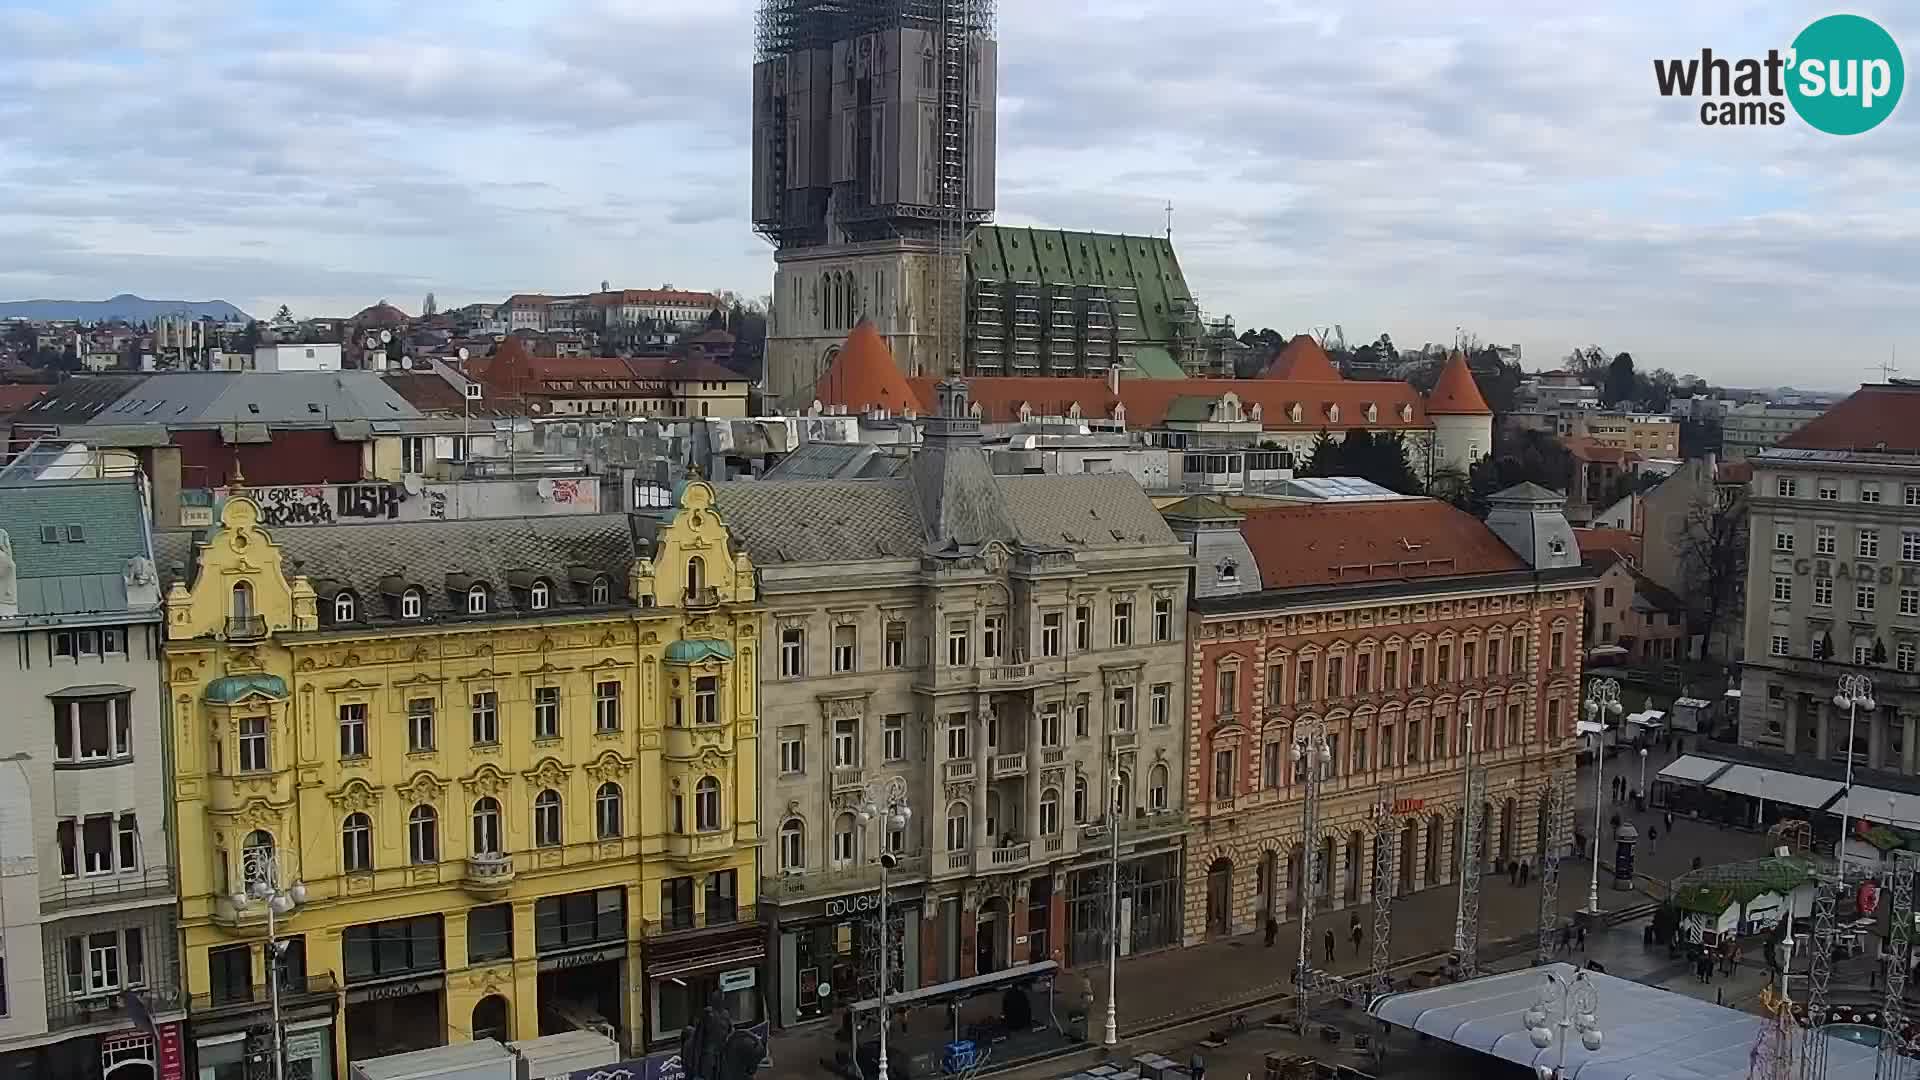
{"points": [[1775, 786], [1692, 769], [1886, 807], [972, 984]]}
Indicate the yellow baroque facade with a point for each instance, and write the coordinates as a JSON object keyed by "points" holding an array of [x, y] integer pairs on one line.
{"points": [[490, 777]]}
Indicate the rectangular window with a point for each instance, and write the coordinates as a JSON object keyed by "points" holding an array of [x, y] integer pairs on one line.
{"points": [[1816, 648], [1387, 760], [1123, 708], [1493, 656], [1122, 622], [846, 648], [1785, 487], [1829, 491], [1863, 597], [1336, 676], [1910, 494], [96, 841], [793, 652], [1363, 673], [395, 947], [1163, 618], [1443, 664], [993, 636], [706, 699], [1823, 592], [893, 735], [486, 718], [1083, 628], [254, 755], [957, 736], [1227, 691], [720, 893], [1417, 667], [489, 933], [353, 730], [1863, 654], [959, 636], [1223, 774], [92, 729], [230, 971], [1516, 654], [606, 706], [1276, 683], [1050, 733], [1390, 671], [1903, 657], [1783, 540], [546, 712], [129, 835], [1414, 744], [793, 758], [1439, 738], [1161, 699], [419, 725], [1909, 600], [1781, 645], [1553, 718], [1869, 543], [1556, 651], [1783, 588], [1272, 755], [1050, 631], [1909, 545], [1303, 681], [846, 744], [1869, 492], [894, 648], [1824, 541], [1082, 710]]}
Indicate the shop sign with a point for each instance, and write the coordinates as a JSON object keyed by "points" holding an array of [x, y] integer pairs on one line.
{"points": [[587, 958], [851, 905], [1862, 572], [172, 1054], [1408, 806], [302, 1045], [737, 979], [389, 991]]}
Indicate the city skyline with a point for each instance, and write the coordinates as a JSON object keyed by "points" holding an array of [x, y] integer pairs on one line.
{"points": [[1400, 170]]}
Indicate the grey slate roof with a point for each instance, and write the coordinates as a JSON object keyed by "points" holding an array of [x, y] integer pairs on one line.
{"points": [[837, 461], [505, 554], [73, 577], [318, 398]]}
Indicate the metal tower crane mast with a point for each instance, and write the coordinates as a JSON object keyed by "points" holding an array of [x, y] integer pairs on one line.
{"points": [[958, 22]]}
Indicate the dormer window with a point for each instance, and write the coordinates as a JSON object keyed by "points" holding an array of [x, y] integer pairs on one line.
{"points": [[602, 592], [1228, 572], [343, 608], [410, 604], [539, 597], [477, 600]]}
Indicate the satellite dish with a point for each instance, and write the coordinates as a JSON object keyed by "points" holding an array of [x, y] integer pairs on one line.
{"points": [[386, 336], [462, 354], [543, 487], [412, 483]]}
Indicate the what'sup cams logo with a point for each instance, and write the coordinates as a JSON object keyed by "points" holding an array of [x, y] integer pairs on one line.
{"points": [[1843, 75]]}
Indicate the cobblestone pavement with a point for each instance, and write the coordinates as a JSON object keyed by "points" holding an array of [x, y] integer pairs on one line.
{"points": [[1158, 989]]}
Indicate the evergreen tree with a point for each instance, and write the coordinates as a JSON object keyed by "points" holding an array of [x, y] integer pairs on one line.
{"points": [[1324, 458]]}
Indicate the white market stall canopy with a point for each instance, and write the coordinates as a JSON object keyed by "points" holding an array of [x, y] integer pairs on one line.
{"points": [[1775, 786], [1693, 769], [1649, 1033], [1872, 804]]}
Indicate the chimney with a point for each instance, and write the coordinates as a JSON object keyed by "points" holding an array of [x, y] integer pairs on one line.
{"points": [[1113, 379]]}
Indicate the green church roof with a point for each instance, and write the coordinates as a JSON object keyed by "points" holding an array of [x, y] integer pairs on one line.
{"points": [[698, 650], [1061, 257], [229, 689]]}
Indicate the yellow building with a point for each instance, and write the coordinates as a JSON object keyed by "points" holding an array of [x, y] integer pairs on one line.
{"points": [[509, 762]]}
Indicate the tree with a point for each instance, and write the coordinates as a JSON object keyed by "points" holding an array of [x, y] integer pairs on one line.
{"points": [[1588, 363], [284, 315], [1380, 457], [1324, 458], [1712, 546], [250, 337], [1620, 385], [1518, 458], [429, 307]]}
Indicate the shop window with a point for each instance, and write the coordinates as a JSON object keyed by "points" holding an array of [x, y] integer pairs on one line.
{"points": [[489, 933]]}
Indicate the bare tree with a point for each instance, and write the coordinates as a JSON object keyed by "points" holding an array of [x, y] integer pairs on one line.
{"points": [[1712, 546], [430, 306]]}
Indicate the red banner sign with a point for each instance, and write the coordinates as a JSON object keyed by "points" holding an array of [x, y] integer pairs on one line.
{"points": [[1408, 806], [173, 1059]]}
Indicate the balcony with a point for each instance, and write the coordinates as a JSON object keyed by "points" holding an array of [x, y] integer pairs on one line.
{"points": [[684, 921], [1140, 828], [959, 861], [108, 1007], [849, 779], [313, 989], [1000, 766], [1009, 856], [703, 847], [958, 769], [1125, 740], [246, 627], [995, 675], [65, 894], [1883, 677], [488, 876], [841, 879], [702, 597]]}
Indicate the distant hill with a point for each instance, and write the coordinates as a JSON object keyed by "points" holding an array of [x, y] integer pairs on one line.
{"points": [[134, 309]]}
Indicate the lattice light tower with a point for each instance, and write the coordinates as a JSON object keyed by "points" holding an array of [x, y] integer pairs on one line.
{"points": [[1466, 917], [1558, 801], [1813, 1057], [1311, 755], [1898, 953], [1386, 843]]}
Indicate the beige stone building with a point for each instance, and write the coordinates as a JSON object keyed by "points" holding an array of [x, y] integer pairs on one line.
{"points": [[1008, 650]]}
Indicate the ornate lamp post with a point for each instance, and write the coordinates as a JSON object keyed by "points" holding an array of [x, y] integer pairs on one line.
{"points": [[1855, 693], [260, 869], [1603, 703], [1642, 789], [1115, 815], [1567, 1004], [886, 800]]}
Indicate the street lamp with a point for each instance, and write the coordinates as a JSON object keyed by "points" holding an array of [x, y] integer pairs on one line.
{"points": [[1115, 811], [886, 800], [1568, 1004], [260, 869], [1642, 789], [1311, 754], [1603, 702], [1855, 693]]}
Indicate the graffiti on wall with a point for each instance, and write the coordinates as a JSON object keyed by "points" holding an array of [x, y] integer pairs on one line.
{"points": [[347, 504]]}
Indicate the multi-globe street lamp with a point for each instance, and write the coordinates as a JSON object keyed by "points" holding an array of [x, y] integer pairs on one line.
{"points": [[1566, 1003], [260, 870], [887, 801], [1855, 692], [1603, 704]]}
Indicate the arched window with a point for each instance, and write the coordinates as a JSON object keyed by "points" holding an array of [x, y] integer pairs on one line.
{"points": [[706, 804], [423, 836], [958, 819], [242, 601], [486, 826], [343, 607], [410, 604], [547, 831], [696, 575], [845, 840], [256, 856], [539, 597], [1157, 788], [606, 811], [601, 591], [793, 845], [1050, 812], [1079, 800], [356, 843], [477, 600]]}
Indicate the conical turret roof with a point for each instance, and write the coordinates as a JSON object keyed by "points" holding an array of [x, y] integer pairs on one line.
{"points": [[863, 376], [1456, 394]]}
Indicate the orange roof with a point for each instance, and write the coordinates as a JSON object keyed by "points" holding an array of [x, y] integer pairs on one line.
{"points": [[1733, 472], [1621, 542], [1302, 360], [20, 395], [1352, 543], [1456, 394], [529, 300], [1148, 400], [1876, 417], [654, 296], [863, 376], [381, 314], [1586, 448]]}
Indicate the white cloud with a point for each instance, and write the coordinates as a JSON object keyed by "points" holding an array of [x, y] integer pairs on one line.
{"points": [[1398, 166]]}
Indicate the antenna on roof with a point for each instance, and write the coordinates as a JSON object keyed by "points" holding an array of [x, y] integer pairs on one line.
{"points": [[1889, 368], [1169, 220]]}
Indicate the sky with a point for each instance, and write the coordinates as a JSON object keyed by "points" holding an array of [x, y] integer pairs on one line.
{"points": [[1504, 168]]}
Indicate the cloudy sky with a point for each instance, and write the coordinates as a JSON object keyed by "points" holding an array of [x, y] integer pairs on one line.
{"points": [[1388, 165]]}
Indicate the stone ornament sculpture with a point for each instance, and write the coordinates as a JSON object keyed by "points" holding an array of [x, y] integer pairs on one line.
{"points": [[9, 575]]}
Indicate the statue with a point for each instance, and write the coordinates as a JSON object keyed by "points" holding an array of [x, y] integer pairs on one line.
{"points": [[702, 1041], [9, 579]]}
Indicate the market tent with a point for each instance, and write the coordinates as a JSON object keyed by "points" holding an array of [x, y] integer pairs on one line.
{"points": [[1693, 769], [1649, 1033], [1888, 807], [1775, 786]]}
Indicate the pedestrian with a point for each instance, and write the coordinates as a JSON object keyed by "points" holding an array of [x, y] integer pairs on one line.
{"points": [[1581, 931], [1197, 1067], [1513, 873], [1525, 870], [1354, 931], [1653, 839], [1565, 945], [1273, 930], [1667, 820], [1328, 941], [1733, 964]]}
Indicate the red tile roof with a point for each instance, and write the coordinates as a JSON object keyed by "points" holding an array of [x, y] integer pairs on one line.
{"points": [[1456, 394], [1302, 360], [1586, 448], [863, 376], [512, 372], [655, 296], [1733, 472], [381, 314], [1876, 417], [1353, 543], [1619, 542], [19, 395]]}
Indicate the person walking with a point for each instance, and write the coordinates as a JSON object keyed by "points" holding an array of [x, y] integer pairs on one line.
{"points": [[1327, 940], [1525, 870], [1581, 932], [1197, 1067], [1667, 820], [1653, 839], [1354, 932], [1273, 930]]}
